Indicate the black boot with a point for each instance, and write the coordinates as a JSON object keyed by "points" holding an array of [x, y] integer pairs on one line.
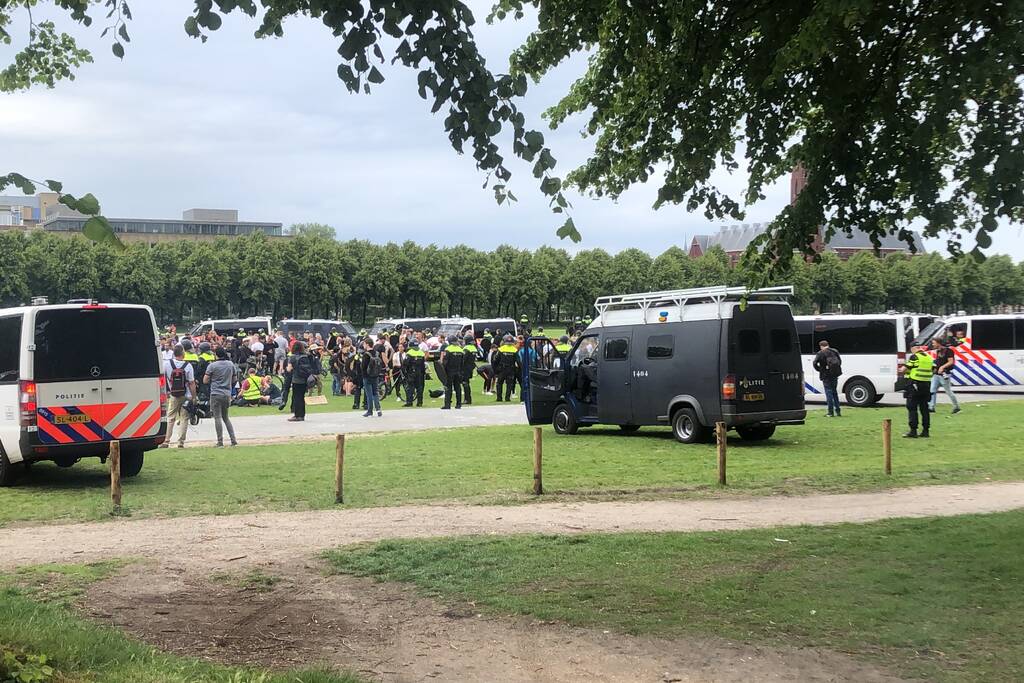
{"points": [[912, 434], [924, 434]]}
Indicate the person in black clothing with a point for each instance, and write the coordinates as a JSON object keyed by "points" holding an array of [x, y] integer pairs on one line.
{"points": [[302, 368], [453, 359], [355, 375], [372, 368], [829, 365], [414, 369]]}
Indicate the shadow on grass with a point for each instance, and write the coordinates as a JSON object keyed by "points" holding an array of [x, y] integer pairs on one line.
{"points": [[664, 434], [46, 476]]}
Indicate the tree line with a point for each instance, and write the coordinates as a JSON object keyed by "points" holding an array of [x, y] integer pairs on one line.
{"points": [[313, 275]]}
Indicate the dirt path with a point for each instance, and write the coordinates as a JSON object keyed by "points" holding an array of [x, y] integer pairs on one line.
{"points": [[238, 540], [389, 633]]}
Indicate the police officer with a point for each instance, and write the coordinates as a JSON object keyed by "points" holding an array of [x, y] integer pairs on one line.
{"points": [[452, 359], [468, 365], [918, 371], [206, 352], [486, 341], [414, 369], [505, 362], [563, 346], [524, 320], [586, 321]]}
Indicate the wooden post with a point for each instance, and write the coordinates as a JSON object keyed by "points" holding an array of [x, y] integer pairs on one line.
{"points": [[538, 485], [720, 441], [887, 444], [339, 468], [115, 475]]}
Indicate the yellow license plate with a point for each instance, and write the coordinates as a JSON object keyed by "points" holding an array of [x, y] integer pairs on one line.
{"points": [[753, 397], [70, 419]]}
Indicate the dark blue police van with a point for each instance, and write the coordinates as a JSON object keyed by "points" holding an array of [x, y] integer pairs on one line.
{"points": [[686, 358]]}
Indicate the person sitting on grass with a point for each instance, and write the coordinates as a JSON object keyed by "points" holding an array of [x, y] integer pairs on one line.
{"points": [[251, 391]]}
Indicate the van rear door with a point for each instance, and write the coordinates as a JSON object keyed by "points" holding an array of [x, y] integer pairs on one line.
{"points": [[763, 356], [97, 374]]}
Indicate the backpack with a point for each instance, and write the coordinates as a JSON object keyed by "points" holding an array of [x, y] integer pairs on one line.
{"points": [[375, 368], [177, 387], [833, 363]]}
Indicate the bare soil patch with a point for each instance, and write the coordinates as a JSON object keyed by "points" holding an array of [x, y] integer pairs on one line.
{"points": [[389, 633]]}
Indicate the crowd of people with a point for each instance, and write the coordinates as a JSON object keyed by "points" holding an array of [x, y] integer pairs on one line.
{"points": [[207, 375]]}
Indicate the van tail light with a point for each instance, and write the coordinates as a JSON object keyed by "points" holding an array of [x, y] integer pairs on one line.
{"points": [[27, 403], [163, 396], [729, 388], [803, 384]]}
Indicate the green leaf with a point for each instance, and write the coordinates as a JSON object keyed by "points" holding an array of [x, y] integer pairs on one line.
{"points": [[569, 230], [99, 230], [192, 27], [984, 239], [123, 32], [118, 50], [54, 185], [375, 76]]}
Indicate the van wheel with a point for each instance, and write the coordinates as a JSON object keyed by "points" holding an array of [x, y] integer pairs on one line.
{"points": [[9, 472], [564, 421], [686, 428], [756, 432], [131, 463], [65, 461], [860, 393], [629, 429]]}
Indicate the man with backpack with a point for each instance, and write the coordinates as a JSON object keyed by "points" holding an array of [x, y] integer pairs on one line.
{"points": [[829, 365], [372, 366], [181, 387]]}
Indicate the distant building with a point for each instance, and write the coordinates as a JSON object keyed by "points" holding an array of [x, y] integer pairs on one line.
{"points": [[25, 210], [43, 212], [734, 240]]}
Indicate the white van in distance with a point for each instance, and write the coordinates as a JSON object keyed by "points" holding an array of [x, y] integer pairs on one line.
{"points": [[988, 351], [872, 347], [75, 377]]}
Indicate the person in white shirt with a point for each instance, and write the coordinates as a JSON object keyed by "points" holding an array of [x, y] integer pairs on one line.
{"points": [[179, 393]]}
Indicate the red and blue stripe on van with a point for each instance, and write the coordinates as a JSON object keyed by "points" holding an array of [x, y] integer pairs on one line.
{"points": [[977, 368], [94, 423]]}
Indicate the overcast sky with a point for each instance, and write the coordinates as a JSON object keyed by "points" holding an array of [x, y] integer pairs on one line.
{"points": [[267, 127]]}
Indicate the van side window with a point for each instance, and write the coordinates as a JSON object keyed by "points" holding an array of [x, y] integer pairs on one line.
{"points": [[10, 349], [992, 335], [781, 341], [616, 349], [859, 336], [750, 341], [660, 346], [1019, 333]]}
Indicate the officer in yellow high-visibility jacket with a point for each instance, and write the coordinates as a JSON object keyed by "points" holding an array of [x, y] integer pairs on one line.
{"points": [[918, 371]]}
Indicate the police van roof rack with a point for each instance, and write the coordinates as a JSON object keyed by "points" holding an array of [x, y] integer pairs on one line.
{"points": [[681, 297]]}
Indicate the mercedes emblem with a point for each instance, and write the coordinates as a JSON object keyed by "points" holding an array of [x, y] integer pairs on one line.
{"points": [[94, 371]]}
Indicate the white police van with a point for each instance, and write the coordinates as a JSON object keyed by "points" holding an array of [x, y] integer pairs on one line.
{"points": [[75, 377], [989, 351], [872, 348], [231, 326]]}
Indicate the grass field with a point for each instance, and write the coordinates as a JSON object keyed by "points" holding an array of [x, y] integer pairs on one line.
{"points": [[35, 620], [938, 599], [494, 465]]}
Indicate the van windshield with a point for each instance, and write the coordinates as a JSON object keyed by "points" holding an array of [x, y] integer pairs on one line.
{"points": [[74, 344], [451, 329], [379, 327], [928, 332]]}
